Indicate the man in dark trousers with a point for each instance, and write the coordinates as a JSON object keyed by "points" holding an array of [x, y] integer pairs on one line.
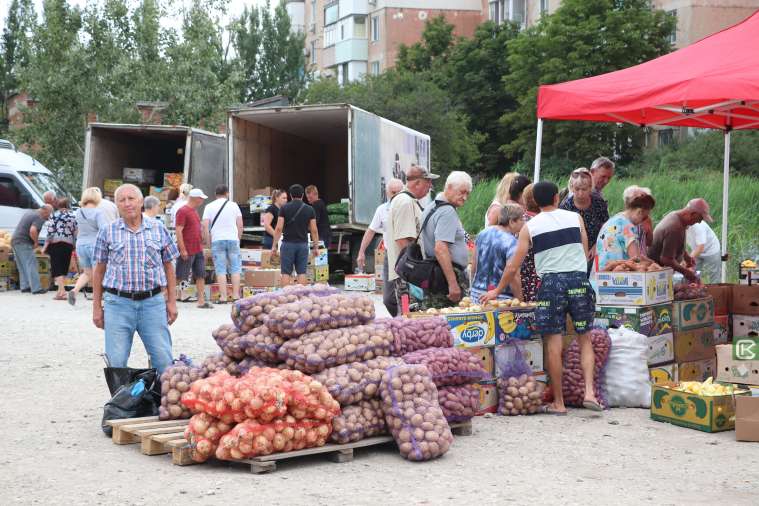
{"points": [[296, 219], [322, 217]]}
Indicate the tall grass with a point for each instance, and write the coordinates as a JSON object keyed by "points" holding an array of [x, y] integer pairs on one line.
{"points": [[672, 191]]}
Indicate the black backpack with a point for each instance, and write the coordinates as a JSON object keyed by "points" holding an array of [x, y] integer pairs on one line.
{"points": [[414, 268]]}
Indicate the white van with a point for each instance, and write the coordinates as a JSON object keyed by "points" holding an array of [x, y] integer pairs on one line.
{"points": [[23, 180]]}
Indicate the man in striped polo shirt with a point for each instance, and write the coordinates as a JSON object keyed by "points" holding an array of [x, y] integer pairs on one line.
{"points": [[560, 243], [134, 267]]}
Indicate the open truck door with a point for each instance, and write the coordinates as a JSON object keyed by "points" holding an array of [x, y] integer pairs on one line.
{"points": [[207, 163]]}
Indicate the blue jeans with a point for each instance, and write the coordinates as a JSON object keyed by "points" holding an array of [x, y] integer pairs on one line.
{"points": [[26, 263], [148, 317], [226, 257]]}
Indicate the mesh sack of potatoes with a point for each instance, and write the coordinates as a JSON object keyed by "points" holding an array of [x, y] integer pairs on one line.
{"points": [[313, 313], [229, 339], [253, 439], [411, 334], [459, 403], [358, 421], [262, 344], [203, 434], [175, 381], [356, 381], [251, 312], [449, 366]]}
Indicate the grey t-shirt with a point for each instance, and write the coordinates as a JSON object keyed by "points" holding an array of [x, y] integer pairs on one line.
{"points": [[21, 234], [445, 226], [89, 221]]}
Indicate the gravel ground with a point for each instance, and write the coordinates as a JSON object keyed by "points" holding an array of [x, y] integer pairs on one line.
{"points": [[55, 452]]}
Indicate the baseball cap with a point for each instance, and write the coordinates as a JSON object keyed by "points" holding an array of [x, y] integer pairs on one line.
{"points": [[197, 192], [701, 207], [425, 173]]}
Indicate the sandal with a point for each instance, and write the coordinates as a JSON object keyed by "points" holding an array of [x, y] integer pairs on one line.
{"points": [[60, 297], [592, 405], [220, 301], [205, 305], [550, 411], [72, 297]]}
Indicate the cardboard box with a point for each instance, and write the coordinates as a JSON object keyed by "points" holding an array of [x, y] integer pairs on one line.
{"points": [[488, 397], [664, 373], [745, 300], [532, 353], [633, 288], [175, 180], [721, 329], [140, 176], [45, 281], [187, 292], [661, 349], [706, 413], [485, 354], [8, 268], [5, 284], [360, 282], [694, 344], [722, 296], [110, 185], [250, 291], [215, 293], [256, 192], [318, 274], [747, 418], [262, 277], [164, 193], [692, 314], [731, 370], [321, 259], [473, 330], [43, 264], [698, 370], [745, 325], [379, 260], [647, 320], [514, 324]]}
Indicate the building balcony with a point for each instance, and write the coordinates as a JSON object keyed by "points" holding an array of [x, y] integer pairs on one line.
{"points": [[351, 50], [351, 7], [328, 57]]}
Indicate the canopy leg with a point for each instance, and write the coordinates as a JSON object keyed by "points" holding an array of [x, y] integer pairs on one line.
{"points": [[538, 146], [725, 202]]}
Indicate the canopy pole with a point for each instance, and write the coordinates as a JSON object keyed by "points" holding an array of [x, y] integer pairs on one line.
{"points": [[538, 146], [725, 202]]}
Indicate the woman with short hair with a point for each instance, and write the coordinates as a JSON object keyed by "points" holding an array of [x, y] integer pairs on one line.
{"points": [[90, 218], [588, 204], [493, 248], [619, 238]]}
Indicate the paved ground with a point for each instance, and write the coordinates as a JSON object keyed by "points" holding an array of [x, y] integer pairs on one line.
{"points": [[54, 451]]}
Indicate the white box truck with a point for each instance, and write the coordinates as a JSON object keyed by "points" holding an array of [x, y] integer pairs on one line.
{"points": [[348, 153]]}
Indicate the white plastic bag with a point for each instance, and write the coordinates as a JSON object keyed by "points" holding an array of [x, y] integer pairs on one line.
{"points": [[627, 381]]}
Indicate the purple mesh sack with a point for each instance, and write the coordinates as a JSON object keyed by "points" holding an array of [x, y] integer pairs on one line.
{"points": [[175, 381], [252, 312], [313, 313], [229, 339], [518, 391], [412, 334], [357, 381], [262, 344], [459, 403], [449, 366], [358, 421]]}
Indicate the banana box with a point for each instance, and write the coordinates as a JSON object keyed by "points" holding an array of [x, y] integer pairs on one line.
{"points": [[721, 329], [473, 330], [647, 320], [5, 284], [664, 373], [633, 288], [488, 397], [485, 354], [8, 268], [530, 351], [515, 324], [712, 413], [731, 370], [697, 370], [43, 264], [661, 349], [45, 281], [693, 314], [695, 344], [745, 325]]}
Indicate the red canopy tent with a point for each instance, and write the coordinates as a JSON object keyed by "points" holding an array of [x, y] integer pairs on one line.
{"points": [[713, 83]]}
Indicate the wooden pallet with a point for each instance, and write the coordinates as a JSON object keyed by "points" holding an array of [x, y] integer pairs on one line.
{"points": [[181, 451], [152, 434]]}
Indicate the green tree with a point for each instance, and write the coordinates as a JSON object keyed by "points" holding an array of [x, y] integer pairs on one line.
{"points": [[437, 40], [582, 38], [14, 49]]}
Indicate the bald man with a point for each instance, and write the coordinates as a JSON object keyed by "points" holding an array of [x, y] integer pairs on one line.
{"points": [[133, 266], [377, 226]]}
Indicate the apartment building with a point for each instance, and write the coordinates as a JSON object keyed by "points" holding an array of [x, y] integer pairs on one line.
{"points": [[347, 39], [296, 11]]}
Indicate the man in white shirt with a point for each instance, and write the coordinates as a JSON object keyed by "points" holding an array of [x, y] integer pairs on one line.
{"points": [[377, 226], [705, 250], [222, 223]]}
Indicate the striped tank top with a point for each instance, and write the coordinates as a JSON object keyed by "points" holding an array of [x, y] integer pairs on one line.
{"points": [[557, 242]]}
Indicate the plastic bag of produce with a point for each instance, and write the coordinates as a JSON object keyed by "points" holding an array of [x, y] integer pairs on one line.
{"points": [[203, 434], [252, 312], [262, 344], [573, 384], [459, 403], [175, 381], [313, 313], [626, 381], [449, 366], [357, 381], [411, 334], [252, 439], [229, 339], [319, 350], [412, 412], [358, 421]]}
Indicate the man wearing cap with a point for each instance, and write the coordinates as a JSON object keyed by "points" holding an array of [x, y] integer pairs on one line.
{"points": [[402, 228], [668, 245], [134, 267], [190, 242]]}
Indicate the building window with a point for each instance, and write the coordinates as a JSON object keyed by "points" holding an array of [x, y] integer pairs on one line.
{"points": [[673, 35], [666, 136], [359, 27], [342, 31], [313, 51], [375, 68], [375, 28], [543, 6], [331, 14]]}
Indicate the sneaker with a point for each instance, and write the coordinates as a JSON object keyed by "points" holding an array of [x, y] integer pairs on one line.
{"points": [[72, 297], [39, 291], [26, 290]]}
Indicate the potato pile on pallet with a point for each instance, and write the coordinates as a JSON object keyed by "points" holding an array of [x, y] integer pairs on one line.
{"points": [[255, 398]]}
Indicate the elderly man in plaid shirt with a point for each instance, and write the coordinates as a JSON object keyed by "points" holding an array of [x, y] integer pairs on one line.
{"points": [[133, 259]]}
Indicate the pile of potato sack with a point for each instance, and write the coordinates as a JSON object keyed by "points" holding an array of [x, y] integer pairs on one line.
{"points": [[303, 366]]}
